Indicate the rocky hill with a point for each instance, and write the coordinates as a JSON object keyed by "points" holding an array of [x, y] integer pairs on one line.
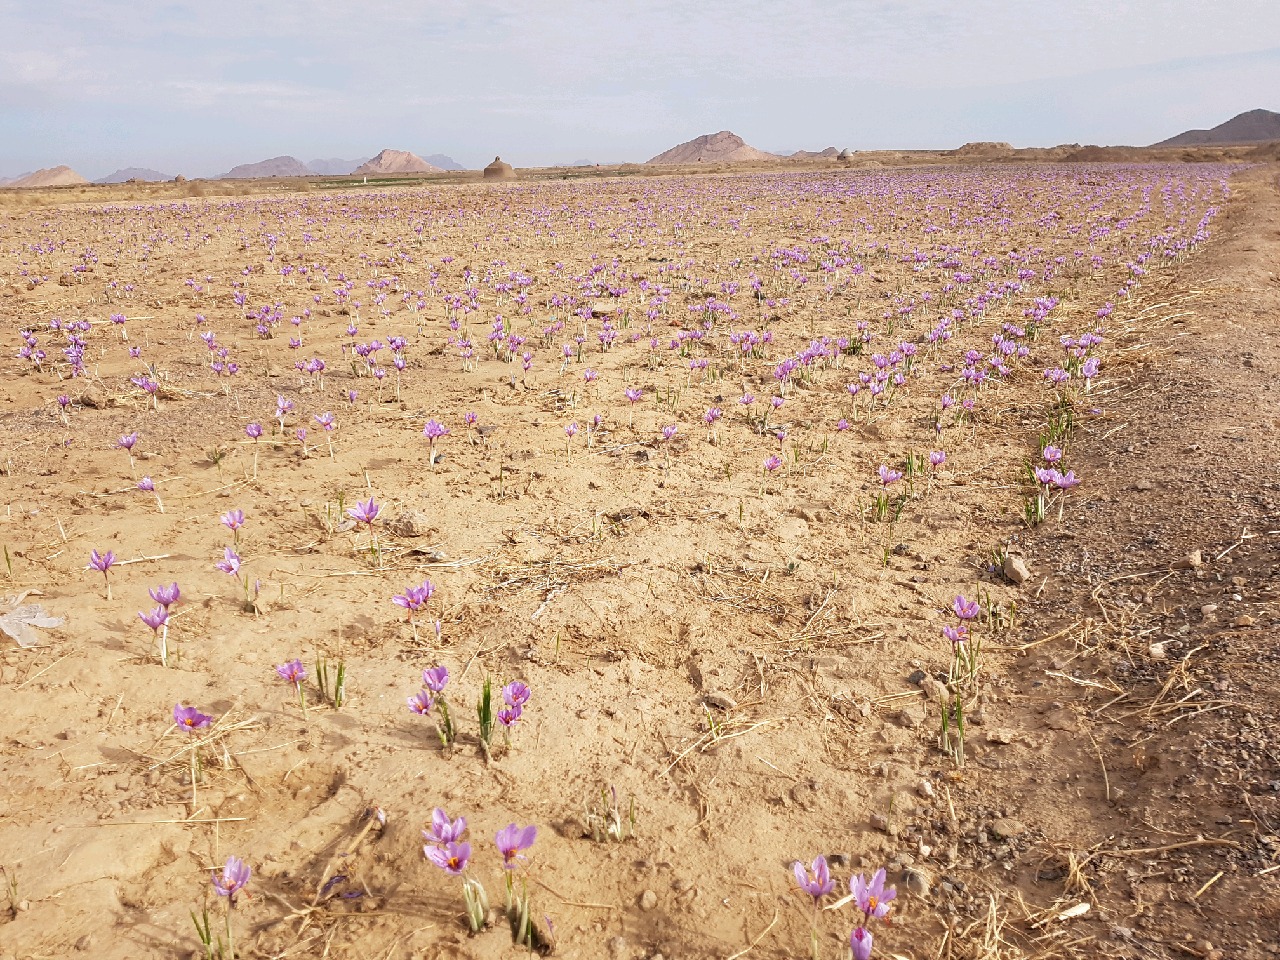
{"points": [[722, 147], [52, 177], [1255, 126], [134, 173], [396, 161], [275, 167]]}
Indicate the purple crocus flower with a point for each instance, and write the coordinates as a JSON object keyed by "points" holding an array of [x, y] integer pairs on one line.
{"points": [[633, 394], [937, 458], [872, 898], [957, 634], [127, 441], [365, 511], [156, 619], [233, 519], [669, 431], [434, 430], [165, 596], [887, 476], [422, 702], [965, 609], [230, 562], [101, 561], [452, 858], [293, 671], [443, 830], [510, 716], [414, 598], [1066, 481], [817, 880], [1052, 454], [860, 942], [434, 678], [571, 430], [253, 431], [512, 840], [235, 876], [147, 485], [772, 462], [516, 693], [189, 718]]}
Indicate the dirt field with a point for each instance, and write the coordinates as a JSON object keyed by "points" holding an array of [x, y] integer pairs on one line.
{"points": [[734, 627]]}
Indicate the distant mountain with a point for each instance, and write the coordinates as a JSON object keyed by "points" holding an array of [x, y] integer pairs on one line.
{"points": [[6, 181], [134, 173], [334, 167], [396, 161], [52, 177], [443, 162], [830, 153], [1255, 126], [722, 147], [275, 167]]}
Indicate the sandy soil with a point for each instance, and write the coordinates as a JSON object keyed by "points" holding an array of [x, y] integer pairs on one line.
{"points": [[745, 655]]}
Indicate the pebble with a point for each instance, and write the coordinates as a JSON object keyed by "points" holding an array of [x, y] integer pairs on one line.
{"points": [[917, 882], [1006, 829], [1192, 560], [1016, 570], [911, 716], [648, 900], [925, 789]]}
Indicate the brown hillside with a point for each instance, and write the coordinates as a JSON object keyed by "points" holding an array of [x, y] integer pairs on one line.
{"points": [[722, 147], [62, 176], [396, 161]]}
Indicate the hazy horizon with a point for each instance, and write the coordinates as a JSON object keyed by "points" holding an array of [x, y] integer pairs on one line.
{"points": [[197, 89]]}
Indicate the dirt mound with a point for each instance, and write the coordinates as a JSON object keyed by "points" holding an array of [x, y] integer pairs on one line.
{"points": [[275, 167], [1254, 126], [722, 147], [52, 177], [983, 149], [396, 161]]}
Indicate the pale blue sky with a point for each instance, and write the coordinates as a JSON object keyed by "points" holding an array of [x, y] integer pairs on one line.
{"points": [[196, 88]]}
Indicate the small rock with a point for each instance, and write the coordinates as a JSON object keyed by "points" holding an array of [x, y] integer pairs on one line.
{"points": [[1144, 484], [911, 716], [881, 823], [648, 900], [1061, 720], [1208, 610], [1016, 570], [1001, 735], [1189, 562], [1157, 650], [935, 691], [917, 882], [917, 677], [925, 789], [86, 942], [1006, 829], [719, 700], [619, 948], [411, 523], [1245, 621]]}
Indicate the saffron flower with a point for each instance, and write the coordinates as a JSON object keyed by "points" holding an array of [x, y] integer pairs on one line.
{"points": [[435, 678], [233, 520], [234, 878], [937, 458], [293, 671], [512, 841], [957, 634], [509, 717], [414, 598], [872, 898], [189, 718], [860, 942], [230, 562], [422, 702], [443, 830], [816, 881], [516, 693], [102, 563], [887, 476], [965, 609], [772, 462], [165, 596], [1052, 454], [365, 511], [452, 858], [253, 431], [156, 619], [669, 431]]}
